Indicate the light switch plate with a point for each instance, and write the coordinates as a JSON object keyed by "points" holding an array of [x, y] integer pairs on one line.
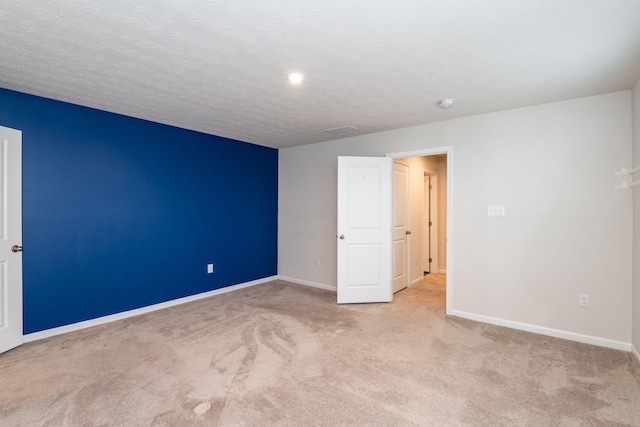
{"points": [[495, 210]]}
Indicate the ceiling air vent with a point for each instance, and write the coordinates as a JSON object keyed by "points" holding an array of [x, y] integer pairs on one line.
{"points": [[340, 129]]}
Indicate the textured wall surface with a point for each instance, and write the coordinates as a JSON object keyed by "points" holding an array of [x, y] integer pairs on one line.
{"points": [[120, 213]]}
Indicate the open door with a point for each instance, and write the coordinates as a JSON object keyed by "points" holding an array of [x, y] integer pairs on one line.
{"points": [[364, 229], [10, 238]]}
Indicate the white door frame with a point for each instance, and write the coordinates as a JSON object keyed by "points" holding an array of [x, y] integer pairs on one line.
{"points": [[448, 150]]}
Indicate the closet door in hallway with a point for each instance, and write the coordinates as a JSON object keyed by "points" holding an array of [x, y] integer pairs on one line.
{"points": [[400, 228]]}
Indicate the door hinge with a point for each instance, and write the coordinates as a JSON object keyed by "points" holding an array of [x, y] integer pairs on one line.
{"points": [[430, 223], [430, 187], [430, 260]]}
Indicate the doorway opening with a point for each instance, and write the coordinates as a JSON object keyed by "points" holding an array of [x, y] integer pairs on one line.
{"points": [[434, 214], [427, 253]]}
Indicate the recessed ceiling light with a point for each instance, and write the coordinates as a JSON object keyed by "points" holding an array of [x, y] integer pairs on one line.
{"points": [[295, 78]]}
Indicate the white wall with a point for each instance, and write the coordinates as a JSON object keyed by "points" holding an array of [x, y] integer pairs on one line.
{"points": [[636, 219], [567, 230]]}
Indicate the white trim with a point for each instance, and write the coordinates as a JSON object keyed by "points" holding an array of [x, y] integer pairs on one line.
{"points": [[136, 312], [309, 283], [419, 153], [442, 271], [573, 336], [418, 280], [635, 352]]}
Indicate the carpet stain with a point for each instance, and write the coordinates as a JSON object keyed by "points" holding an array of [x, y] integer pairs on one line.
{"points": [[202, 408]]}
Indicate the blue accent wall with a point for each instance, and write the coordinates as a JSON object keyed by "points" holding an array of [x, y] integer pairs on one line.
{"points": [[120, 213]]}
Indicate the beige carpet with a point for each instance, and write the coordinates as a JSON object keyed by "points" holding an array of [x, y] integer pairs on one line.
{"points": [[287, 355]]}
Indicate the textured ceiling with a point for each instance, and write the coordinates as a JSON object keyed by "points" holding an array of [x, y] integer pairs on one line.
{"points": [[220, 66]]}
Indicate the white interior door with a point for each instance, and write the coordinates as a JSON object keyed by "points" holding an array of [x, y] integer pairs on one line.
{"points": [[400, 225], [364, 229], [10, 238]]}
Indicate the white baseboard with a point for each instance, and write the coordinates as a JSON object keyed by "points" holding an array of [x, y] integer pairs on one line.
{"points": [[308, 283], [587, 339], [416, 281], [441, 271], [130, 313], [635, 352]]}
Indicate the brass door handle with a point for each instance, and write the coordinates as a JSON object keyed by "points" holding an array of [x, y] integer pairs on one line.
{"points": [[16, 248]]}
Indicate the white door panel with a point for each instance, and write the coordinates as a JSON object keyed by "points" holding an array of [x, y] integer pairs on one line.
{"points": [[10, 235], [363, 255], [399, 256], [364, 229]]}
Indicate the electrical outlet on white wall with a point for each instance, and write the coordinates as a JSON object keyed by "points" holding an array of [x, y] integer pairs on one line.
{"points": [[583, 300], [495, 210]]}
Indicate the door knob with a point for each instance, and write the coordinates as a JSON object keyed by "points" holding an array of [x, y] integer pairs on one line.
{"points": [[341, 237], [407, 232], [16, 248]]}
